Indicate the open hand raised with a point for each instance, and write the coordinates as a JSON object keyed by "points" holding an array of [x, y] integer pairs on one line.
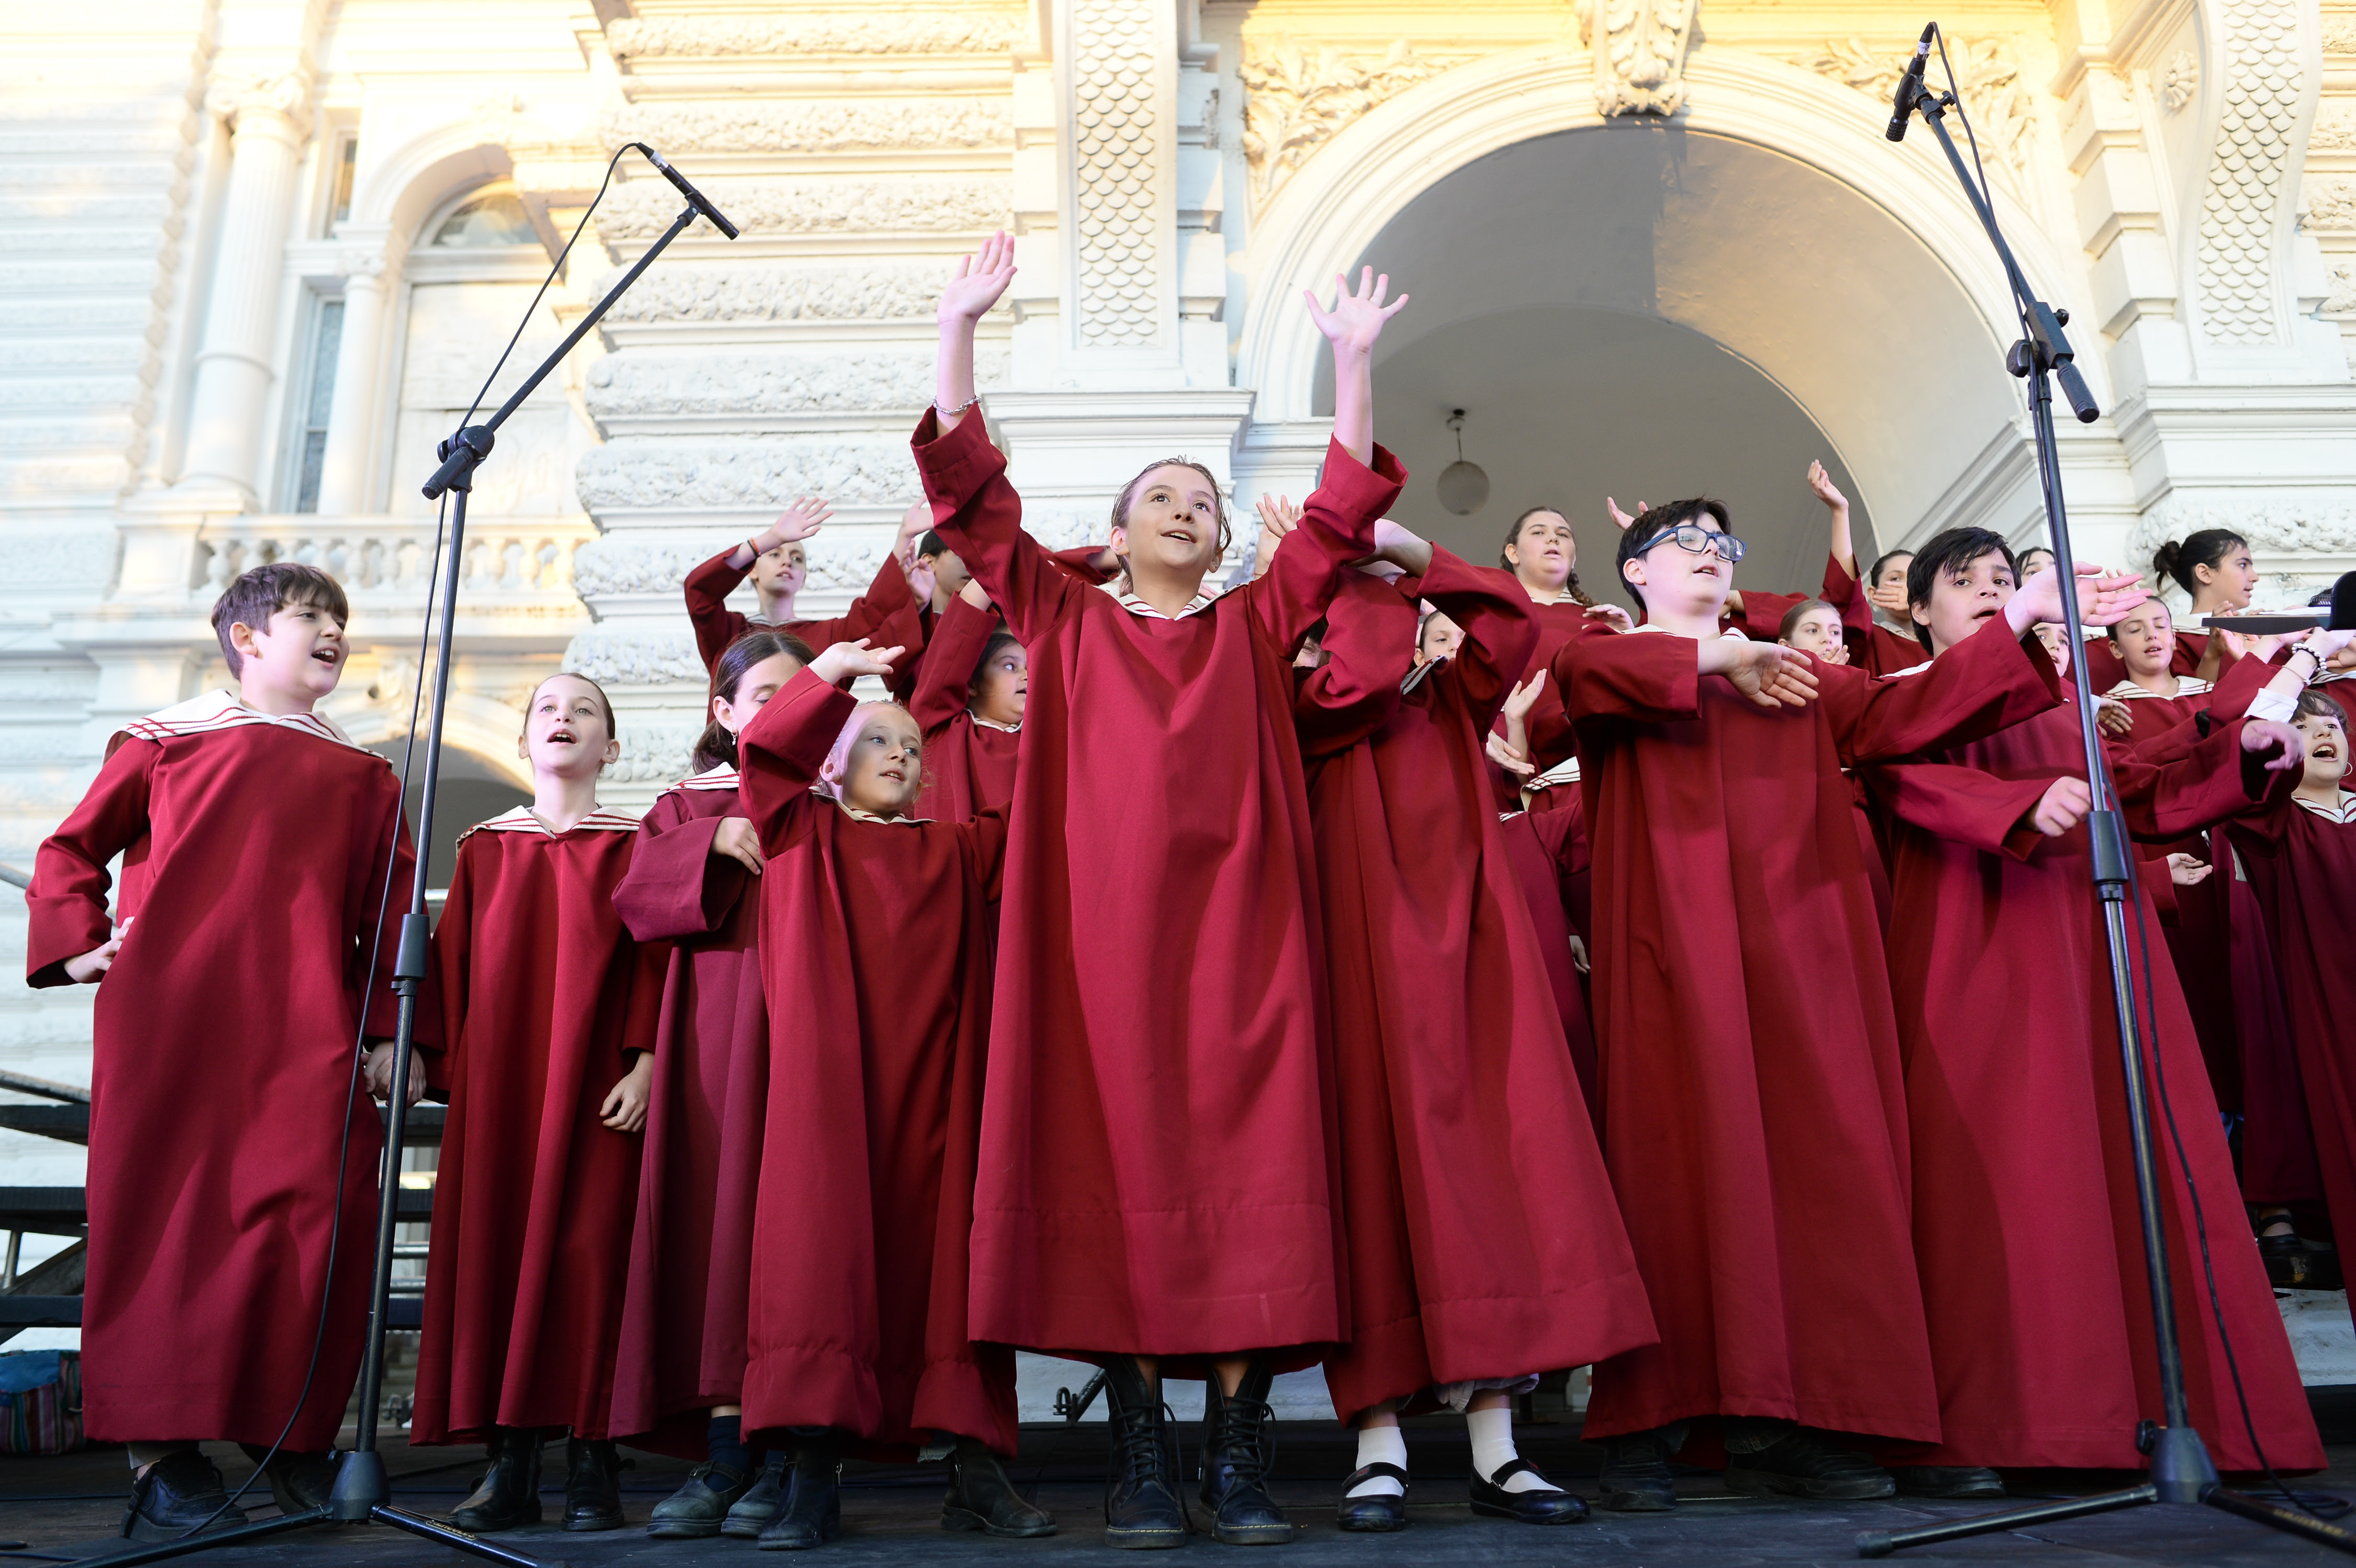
{"points": [[1356, 319], [982, 278]]}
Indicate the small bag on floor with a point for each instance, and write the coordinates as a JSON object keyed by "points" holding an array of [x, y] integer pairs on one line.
{"points": [[40, 1402]]}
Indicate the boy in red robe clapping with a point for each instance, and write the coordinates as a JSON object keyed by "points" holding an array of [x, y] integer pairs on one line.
{"points": [[545, 1000], [249, 826], [875, 924]]}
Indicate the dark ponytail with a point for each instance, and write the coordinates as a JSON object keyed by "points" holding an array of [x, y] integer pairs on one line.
{"points": [[2205, 548], [716, 745]]}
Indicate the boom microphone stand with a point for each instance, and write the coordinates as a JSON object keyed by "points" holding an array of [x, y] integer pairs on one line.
{"points": [[362, 1493], [2181, 1470]]}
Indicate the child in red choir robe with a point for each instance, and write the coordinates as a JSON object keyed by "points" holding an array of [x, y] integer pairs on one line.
{"points": [[1542, 553], [968, 702], [549, 1010], [1550, 859], [2026, 1225], [2215, 568], [1485, 1242], [778, 564], [257, 845], [875, 923], [2301, 855], [1157, 1176], [1749, 1067], [1758, 615], [1888, 644], [679, 1377], [1814, 628]]}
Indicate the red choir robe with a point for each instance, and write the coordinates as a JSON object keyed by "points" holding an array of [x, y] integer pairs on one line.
{"points": [[544, 999], [2026, 1224], [682, 1332], [1549, 856], [2224, 960], [255, 859], [1158, 1172], [1753, 1106], [2106, 669], [878, 932], [1762, 616], [887, 615], [2302, 862], [1547, 727], [1485, 1242], [968, 760]]}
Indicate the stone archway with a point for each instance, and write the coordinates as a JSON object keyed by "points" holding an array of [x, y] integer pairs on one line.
{"points": [[1770, 216]]}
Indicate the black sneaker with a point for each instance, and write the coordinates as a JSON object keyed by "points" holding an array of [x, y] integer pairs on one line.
{"points": [[1637, 1476], [2294, 1262], [298, 1482], [1804, 1464], [751, 1514], [179, 1493]]}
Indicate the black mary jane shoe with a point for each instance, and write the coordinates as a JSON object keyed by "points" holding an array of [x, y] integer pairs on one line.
{"points": [[982, 1498], [593, 1485], [1636, 1477], [1141, 1510], [1965, 1481], [1377, 1513], [298, 1482], [812, 1514], [699, 1509], [508, 1496], [1238, 1451], [1804, 1464], [751, 1514], [180, 1492], [1549, 1504]]}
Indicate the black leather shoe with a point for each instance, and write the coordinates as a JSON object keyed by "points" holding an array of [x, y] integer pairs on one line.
{"points": [[593, 1485], [179, 1493], [298, 1482], [1947, 1481], [1804, 1464], [812, 1513], [1549, 1504], [2294, 1262], [1637, 1476], [508, 1496], [751, 1513], [1141, 1507], [1237, 1450], [1377, 1513], [699, 1509], [982, 1498]]}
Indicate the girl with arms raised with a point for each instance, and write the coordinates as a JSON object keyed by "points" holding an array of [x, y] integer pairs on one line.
{"points": [[1158, 1170]]}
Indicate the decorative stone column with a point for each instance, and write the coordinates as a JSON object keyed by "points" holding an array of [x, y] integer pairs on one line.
{"points": [[351, 416], [269, 119]]}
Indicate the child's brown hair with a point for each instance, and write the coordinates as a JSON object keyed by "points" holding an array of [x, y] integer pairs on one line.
{"points": [[263, 591]]}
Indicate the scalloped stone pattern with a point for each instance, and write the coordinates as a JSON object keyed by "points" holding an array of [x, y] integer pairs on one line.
{"points": [[1112, 130], [2263, 79]]}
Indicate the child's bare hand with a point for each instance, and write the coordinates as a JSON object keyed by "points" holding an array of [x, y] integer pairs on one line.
{"points": [[1893, 600], [845, 659], [921, 580], [974, 593], [1502, 752], [380, 1074], [1769, 674], [736, 839], [625, 1109], [1357, 316], [1579, 953], [1621, 520], [2115, 716], [2063, 806], [1620, 619], [2260, 736], [982, 278], [2187, 872], [91, 967], [1826, 491], [1523, 697], [913, 524], [795, 523]]}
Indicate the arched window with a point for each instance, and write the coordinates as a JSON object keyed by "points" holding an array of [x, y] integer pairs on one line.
{"points": [[482, 222]]}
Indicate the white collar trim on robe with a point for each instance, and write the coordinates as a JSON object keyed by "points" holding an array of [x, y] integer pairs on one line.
{"points": [[1014, 728], [1118, 589], [222, 709], [719, 776], [519, 820], [2186, 686], [1560, 773], [2344, 815]]}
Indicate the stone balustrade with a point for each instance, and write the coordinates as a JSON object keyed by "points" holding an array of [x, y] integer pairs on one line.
{"points": [[388, 561]]}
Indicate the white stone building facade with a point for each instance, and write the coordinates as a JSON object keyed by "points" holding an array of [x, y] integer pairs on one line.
{"points": [[257, 255]]}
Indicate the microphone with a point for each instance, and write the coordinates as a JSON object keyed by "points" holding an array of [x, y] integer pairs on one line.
{"points": [[1910, 87], [695, 197], [2332, 611]]}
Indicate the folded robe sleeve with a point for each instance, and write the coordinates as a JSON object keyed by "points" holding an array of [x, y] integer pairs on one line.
{"points": [[946, 678], [1650, 677], [1989, 680], [67, 902], [1337, 527], [1500, 634], [676, 886], [1370, 639], [707, 589], [781, 752], [977, 512]]}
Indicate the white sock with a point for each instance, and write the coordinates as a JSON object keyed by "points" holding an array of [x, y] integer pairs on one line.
{"points": [[1492, 1432], [1380, 1445]]}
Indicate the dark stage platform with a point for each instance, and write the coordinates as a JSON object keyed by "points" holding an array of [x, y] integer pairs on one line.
{"points": [[71, 1507]]}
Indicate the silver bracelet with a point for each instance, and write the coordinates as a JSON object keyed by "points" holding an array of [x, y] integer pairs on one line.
{"points": [[953, 413]]}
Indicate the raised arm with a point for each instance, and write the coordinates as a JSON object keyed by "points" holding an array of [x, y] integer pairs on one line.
{"points": [[1352, 327], [67, 903], [945, 680], [707, 589], [1370, 637], [785, 745], [1501, 636], [2169, 792], [676, 885]]}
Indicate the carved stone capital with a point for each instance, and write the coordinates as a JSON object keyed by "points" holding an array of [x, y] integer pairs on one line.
{"points": [[234, 95], [621, 656], [1640, 53], [1297, 97]]}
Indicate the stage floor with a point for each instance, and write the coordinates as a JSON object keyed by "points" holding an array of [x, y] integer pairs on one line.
{"points": [[71, 1507]]}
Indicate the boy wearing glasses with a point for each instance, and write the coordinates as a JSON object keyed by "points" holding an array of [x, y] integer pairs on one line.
{"points": [[1752, 1106]]}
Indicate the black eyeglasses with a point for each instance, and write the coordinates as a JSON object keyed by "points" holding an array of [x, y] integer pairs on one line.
{"points": [[1693, 538]]}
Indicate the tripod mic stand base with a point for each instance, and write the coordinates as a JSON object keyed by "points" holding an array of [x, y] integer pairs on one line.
{"points": [[380, 1513]]}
